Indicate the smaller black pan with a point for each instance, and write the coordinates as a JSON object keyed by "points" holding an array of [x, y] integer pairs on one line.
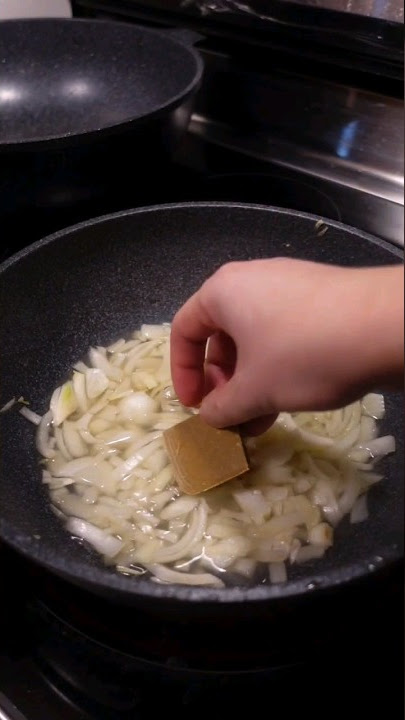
{"points": [[65, 79], [82, 104]]}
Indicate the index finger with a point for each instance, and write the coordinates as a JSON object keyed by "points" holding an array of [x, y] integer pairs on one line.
{"points": [[191, 329]]}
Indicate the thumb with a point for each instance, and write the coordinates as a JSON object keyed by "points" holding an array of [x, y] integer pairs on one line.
{"points": [[232, 403]]}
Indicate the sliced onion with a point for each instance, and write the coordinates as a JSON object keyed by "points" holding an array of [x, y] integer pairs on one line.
{"points": [[286, 421], [224, 552], [96, 383], [151, 332], [73, 442], [192, 535], [79, 387], [277, 572], [321, 535], [60, 444], [63, 403], [182, 506], [117, 346], [80, 367], [374, 405], [381, 446], [99, 360], [359, 511], [43, 440], [107, 468], [309, 552], [138, 407], [253, 503], [244, 567], [8, 405], [104, 543], [30, 415], [167, 575], [131, 570]]}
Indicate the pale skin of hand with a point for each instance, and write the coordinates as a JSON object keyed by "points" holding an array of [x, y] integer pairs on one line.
{"points": [[287, 335]]}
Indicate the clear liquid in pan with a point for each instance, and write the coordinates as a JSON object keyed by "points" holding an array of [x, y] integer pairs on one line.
{"points": [[111, 483]]}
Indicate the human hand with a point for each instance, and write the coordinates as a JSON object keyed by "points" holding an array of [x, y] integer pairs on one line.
{"points": [[286, 335]]}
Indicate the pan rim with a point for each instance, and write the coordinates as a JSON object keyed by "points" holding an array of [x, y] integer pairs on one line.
{"points": [[63, 139], [99, 219], [93, 577]]}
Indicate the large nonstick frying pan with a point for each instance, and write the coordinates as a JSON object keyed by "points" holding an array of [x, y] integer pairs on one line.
{"points": [[99, 280]]}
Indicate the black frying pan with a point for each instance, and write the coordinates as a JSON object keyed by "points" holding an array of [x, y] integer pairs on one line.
{"points": [[87, 108], [99, 280], [69, 78]]}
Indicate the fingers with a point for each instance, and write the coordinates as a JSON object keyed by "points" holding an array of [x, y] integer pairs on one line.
{"points": [[259, 425], [191, 328], [221, 351], [232, 403], [220, 361]]}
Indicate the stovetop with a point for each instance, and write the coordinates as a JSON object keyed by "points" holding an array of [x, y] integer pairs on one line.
{"points": [[211, 165], [282, 121], [67, 655]]}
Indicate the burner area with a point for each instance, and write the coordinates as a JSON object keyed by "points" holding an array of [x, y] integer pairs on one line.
{"points": [[105, 661], [177, 183]]}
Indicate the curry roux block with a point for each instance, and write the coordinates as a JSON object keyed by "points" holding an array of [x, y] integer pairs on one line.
{"points": [[203, 456]]}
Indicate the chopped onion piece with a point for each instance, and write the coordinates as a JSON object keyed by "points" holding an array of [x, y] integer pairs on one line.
{"points": [[63, 403], [117, 346], [317, 441], [43, 436], [253, 503], [381, 446], [125, 570], [182, 506], [277, 572], [60, 443], [104, 543], [191, 536], [152, 332], [309, 552], [224, 552], [80, 367], [167, 575], [321, 534], [245, 567], [79, 387], [75, 467], [96, 383], [138, 407], [359, 511], [74, 443], [98, 359], [30, 415], [8, 405], [374, 405]]}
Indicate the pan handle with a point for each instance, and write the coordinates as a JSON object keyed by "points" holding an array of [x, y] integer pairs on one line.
{"points": [[187, 37]]}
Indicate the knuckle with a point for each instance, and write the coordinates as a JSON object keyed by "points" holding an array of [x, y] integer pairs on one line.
{"points": [[218, 286], [228, 271]]}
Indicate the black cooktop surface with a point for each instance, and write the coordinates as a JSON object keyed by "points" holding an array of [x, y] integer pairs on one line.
{"points": [[67, 655]]}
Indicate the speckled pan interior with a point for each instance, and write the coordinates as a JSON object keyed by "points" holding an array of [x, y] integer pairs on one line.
{"points": [[59, 85]]}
